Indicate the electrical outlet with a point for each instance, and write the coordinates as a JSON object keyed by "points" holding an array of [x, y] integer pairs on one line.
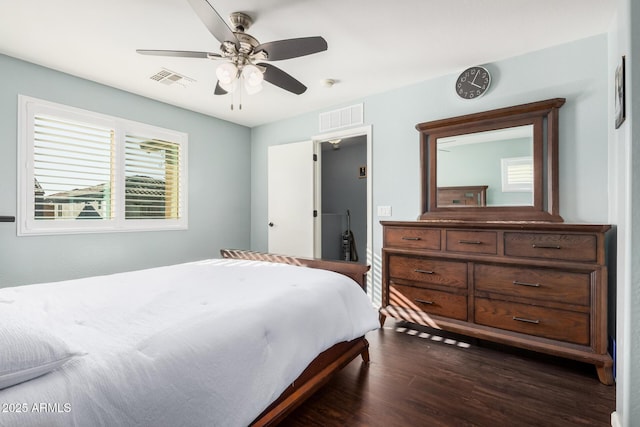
{"points": [[384, 210]]}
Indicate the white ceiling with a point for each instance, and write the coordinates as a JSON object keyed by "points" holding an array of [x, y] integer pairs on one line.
{"points": [[374, 46]]}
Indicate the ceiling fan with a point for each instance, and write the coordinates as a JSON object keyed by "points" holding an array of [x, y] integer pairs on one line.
{"points": [[244, 56]]}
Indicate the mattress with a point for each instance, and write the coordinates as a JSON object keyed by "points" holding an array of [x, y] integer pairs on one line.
{"points": [[204, 343]]}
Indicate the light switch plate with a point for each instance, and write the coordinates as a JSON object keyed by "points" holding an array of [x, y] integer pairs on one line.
{"points": [[384, 211]]}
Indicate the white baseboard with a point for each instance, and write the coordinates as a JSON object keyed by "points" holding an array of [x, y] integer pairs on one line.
{"points": [[615, 421]]}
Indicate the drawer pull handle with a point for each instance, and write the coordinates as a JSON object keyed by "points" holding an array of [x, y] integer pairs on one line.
{"points": [[470, 242], [533, 285], [417, 270], [522, 319], [410, 238], [423, 301], [538, 246]]}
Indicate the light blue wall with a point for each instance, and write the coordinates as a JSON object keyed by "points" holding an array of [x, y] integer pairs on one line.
{"points": [[632, 293], [576, 71], [219, 185], [624, 188]]}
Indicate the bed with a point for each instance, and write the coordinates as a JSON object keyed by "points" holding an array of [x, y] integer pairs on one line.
{"points": [[235, 341]]}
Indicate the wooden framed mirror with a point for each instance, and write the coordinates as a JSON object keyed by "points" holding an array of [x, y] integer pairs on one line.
{"points": [[498, 165]]}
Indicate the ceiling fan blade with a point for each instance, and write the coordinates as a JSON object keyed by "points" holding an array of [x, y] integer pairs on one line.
{"points": [[219, 90], [276, 76], [214, 22], [179, 53], [292, 48]]}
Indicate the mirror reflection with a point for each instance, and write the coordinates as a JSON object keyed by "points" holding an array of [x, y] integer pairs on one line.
{"points": [[492, 168]]}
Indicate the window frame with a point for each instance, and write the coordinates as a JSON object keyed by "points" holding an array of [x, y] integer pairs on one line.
{"points": [[28, 108]]}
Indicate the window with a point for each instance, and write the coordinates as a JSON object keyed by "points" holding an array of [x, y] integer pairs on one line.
{"points": [[81, 171], [517, 174]]}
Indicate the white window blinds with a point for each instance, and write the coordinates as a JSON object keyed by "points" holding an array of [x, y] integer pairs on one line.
{"points": [[72, 170], [76, 165], [152, 182]]}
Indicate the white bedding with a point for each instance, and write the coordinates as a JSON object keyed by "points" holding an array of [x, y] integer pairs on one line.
{"points": [[208, 343]]}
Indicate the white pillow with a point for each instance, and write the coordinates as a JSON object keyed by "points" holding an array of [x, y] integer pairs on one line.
{"points": [[27, 353]]}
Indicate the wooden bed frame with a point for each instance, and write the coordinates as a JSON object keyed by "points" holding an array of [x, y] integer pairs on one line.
{"points": [[322, 368]]}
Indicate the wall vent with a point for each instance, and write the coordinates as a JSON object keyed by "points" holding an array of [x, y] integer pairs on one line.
{"points": [[171, 78], [336, 119]]}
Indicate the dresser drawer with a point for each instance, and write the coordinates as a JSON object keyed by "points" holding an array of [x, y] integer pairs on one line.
{"points": [[537, 283], [429, 301], [569, 247], [479, 242], [425, 271], [412, 238], [540, 321]]}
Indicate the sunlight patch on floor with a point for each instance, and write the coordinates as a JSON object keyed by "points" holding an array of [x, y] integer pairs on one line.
{"points": [[432, 337]]}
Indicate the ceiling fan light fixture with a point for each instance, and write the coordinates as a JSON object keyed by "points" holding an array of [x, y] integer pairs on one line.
{"points": [[252, 75], [252, 89], [227, 73]]}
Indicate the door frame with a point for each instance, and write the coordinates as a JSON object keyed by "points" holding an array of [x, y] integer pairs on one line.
{"points": [[346, 133]]}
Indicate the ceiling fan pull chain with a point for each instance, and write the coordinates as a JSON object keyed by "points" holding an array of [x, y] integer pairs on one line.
{"points": [[233, 95]]}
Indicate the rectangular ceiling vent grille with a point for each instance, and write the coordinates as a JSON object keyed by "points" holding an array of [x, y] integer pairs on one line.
{"points": [[336, 119], [171, 78]]}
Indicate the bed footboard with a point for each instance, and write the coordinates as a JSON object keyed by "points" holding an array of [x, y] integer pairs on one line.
{"points": [[357, 272], [318, 373]]}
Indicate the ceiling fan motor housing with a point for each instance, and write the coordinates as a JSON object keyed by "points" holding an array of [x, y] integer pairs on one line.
{"points": [[240, 21], [245, 53]]}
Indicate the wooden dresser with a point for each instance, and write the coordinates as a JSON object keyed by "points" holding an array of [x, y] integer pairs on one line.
{"points": [[538, 286]]}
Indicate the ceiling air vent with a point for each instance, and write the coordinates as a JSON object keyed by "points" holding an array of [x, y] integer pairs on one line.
{"points": [[171, 78], [336, 119]]}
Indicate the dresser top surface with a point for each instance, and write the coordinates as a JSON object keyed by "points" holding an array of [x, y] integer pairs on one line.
{"points": [[503, 225]]}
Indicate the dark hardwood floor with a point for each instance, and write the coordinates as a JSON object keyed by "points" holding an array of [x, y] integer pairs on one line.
{"points": [[423, 377]]}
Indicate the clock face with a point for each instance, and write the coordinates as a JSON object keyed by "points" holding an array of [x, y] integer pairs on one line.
{"points": [[473, 82]]}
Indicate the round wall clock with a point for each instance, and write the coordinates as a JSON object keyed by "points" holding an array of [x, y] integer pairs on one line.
{"points": [[473, 82]]}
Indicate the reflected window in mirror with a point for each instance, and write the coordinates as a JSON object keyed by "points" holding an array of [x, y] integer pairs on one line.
{"points": [[517, 176]]}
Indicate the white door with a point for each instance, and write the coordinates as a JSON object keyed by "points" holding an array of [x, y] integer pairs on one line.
{"points": [[290, 205]]}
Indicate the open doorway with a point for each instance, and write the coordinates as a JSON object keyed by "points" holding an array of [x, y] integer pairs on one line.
{"points": [[344, 198], [295, 189]]}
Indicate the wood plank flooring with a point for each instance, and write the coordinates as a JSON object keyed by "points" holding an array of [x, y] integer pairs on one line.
{"points": [[423, 377]]}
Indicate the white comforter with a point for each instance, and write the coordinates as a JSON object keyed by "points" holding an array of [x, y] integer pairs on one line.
{"points": [[208, 343]]}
